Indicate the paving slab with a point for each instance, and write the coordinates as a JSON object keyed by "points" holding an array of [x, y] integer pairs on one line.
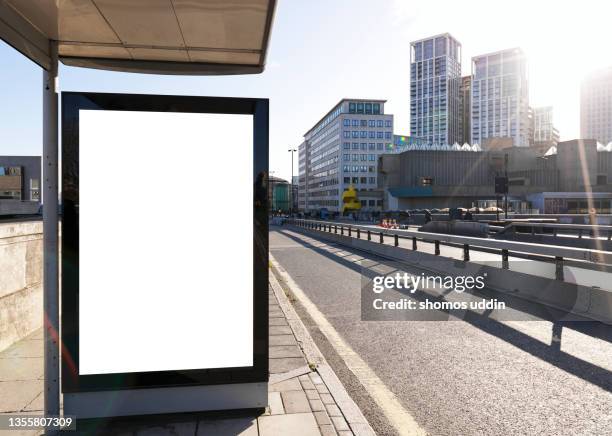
{"points": [[228, 427], [279, 351], [286, 385], [295, 401], [302, 424], [285, 364], [283, 340]]}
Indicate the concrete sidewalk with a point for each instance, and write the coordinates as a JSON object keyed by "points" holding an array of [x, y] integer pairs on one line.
{"points": [[304, 396]]}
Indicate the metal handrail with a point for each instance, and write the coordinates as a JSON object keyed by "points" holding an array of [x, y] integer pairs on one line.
{"points": [[553, 251]]}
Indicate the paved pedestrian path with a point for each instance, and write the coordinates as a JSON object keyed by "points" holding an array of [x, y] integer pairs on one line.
{"points": [[300, 401]]}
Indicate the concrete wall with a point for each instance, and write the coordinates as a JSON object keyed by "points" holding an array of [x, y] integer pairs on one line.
{"points": [[21, 271]]}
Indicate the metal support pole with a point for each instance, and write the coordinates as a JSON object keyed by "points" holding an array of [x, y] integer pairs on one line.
{"points": [[414, 243], [50, 237], [466, 252], [396, 240], [505, 263], [335, 228], [358, 234], [342, 230], [437, 244], [559, 268], [382, 240], [369, 236], [350, 232]]}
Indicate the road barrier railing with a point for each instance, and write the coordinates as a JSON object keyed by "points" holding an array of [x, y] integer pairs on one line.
{"points": [[555, 253], [582, 299]]}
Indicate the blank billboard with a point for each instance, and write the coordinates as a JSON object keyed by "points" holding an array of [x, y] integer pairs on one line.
{"points": [[165, 241]]}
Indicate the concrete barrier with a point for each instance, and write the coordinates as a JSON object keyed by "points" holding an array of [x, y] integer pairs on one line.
{"points": [[593, 303], [21, 270], [454, 227]]}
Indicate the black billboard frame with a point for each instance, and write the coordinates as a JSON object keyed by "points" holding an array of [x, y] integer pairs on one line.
{"points": [[71, 104]]}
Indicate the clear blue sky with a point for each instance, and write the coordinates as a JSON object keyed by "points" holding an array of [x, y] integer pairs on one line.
{"points": [[322, 51]]}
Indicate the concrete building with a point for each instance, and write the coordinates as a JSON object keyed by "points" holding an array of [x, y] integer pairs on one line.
{"points": [[596, 106], [340, 150], [435, 79], [465, 95], [544, 132], [20, 179], [500, 97], [567, 179]]}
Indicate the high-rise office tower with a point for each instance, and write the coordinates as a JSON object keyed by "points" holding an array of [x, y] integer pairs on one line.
{"points": [[435, 78], [596, 107], [500, 98], [544, 131]]}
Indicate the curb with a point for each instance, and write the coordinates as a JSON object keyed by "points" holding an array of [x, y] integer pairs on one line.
{"points": [[352, 414]]}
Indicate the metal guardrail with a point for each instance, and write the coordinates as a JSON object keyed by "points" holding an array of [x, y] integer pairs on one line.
{"points": [[559, 229], [557, 254]]}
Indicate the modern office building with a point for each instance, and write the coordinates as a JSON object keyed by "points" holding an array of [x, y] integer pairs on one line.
{"points": [[596, 106], [465, 96], [500, 98], [340, 150], [435, 79], [279, 195], [544, 132]]}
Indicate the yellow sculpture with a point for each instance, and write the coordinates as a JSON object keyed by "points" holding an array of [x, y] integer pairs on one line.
{"points": [[350, 201]]}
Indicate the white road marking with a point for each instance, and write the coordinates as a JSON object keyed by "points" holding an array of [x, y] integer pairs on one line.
{"points": [[403, 422]]}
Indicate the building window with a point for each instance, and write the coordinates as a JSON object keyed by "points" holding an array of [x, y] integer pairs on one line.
{"points": [[346, 134], [388, 123], [368, 108], [370, 169], [363, 134], [379, 135], [355, 134], [355, 180], [372, 157], [364, 123], [352, 108], [372, 203], [387, 135], [34, 190], [360, 108], [355, 157], [363, 180], [346, 122], [355, 146], [372, 123], [372, 180], [346, 145], [376, 108], [379, 146], [372, 146], [364, 146], [355, 123], [347, 180], [346, 157], [379, 123]]}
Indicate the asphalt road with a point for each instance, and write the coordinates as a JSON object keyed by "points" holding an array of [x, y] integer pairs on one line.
{"points": [[476, 376]]}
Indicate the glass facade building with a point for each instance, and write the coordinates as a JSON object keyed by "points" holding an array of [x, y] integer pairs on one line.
{"points": [[342, 149], [435, 79], [544, 130], [596, 107], [500, 97]]}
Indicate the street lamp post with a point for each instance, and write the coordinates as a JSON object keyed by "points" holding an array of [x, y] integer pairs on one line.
{"points": [[291, 150]]}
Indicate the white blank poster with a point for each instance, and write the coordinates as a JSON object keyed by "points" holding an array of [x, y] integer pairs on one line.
{"points": [[166, 241]]}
